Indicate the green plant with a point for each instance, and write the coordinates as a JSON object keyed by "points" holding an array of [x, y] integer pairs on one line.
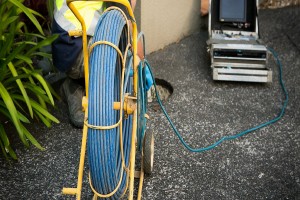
{"points": [[24, 94]]}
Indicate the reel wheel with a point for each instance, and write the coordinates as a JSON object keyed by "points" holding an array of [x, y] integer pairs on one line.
{"points": [[148, 152]]}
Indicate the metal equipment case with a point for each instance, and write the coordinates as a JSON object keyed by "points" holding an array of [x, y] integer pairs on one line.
{"points": [[234, 44]]}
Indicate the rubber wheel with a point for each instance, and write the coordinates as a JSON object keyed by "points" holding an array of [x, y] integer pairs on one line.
{"points": [[148, 152]]}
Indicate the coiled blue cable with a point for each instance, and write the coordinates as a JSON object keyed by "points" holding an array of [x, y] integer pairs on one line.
{"points": [[240, 134], [105, 161]]}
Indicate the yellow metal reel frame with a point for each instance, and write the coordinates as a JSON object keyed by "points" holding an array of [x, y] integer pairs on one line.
{"points": [[77, 191]]}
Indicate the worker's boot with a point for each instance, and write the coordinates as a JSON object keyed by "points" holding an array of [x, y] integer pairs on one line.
{"points": [[72, 93]]}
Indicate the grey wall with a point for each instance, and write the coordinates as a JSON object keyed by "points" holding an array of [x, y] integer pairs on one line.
{"points": [[167, 21]]}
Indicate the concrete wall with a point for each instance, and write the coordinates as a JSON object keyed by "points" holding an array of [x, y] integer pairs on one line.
{"points": [[167, 21]]}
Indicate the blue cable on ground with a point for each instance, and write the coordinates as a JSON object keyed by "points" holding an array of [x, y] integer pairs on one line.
{"points": [[279, 116], [104, 154]]}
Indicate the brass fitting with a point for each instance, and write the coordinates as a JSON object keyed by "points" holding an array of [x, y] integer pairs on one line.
{"points": [[129, 105]]}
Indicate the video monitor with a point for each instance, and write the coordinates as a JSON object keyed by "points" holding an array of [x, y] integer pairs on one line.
{"points": [[233, 10]]}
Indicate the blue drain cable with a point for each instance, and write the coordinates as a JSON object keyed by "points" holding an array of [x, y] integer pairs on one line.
{"points": [[240, 134], [104, 155]]}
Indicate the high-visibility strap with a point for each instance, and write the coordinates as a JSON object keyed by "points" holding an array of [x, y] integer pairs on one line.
{"points": [[86, 9], [59, 4], [67, 20]]}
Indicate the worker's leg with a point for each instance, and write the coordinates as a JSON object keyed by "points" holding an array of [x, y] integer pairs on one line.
{"points": [[73, 90]]}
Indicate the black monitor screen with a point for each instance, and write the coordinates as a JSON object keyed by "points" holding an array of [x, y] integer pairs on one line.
{"points": [[233, 10]]}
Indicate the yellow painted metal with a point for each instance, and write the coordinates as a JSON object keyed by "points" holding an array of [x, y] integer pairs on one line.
{"points": [[77, 191], [86, 76], [135, 87], [84, 103], [76, 33], [141, 179], [117, 105], [129, 105], [132, 156], [70, 191], [84, 45], [81, 161]]}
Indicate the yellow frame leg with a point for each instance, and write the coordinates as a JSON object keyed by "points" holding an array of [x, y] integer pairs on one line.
{"points": [[132, 156], [141, 180], [77, 191]]}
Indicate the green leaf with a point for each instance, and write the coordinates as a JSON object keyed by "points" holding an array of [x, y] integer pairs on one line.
{"points": [[5, 112], [13, 54], [3, 150], [40, 92], [42, 43], [24, 58], [13, 79], [19, 26], [44, 84], [21, 87], [10, 36], [36, 13], [46, 55], [44, 112], [2, 8], [21, 117], [35, 35], [25, 42], [4, 137], [8, 21], [42, 101], [13, 112], [32, 139], [6, 13], [38, 108], [53, 91], [44, 120], [35, 89], [11, 152], [50, 7], [17, 104], [29, 15], [3, 71]]}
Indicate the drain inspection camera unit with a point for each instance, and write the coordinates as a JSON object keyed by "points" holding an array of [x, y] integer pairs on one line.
{"points": [[234, 43]]}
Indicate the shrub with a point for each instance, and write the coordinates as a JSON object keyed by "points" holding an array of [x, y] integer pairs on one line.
{"points": [[24, 93]]}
